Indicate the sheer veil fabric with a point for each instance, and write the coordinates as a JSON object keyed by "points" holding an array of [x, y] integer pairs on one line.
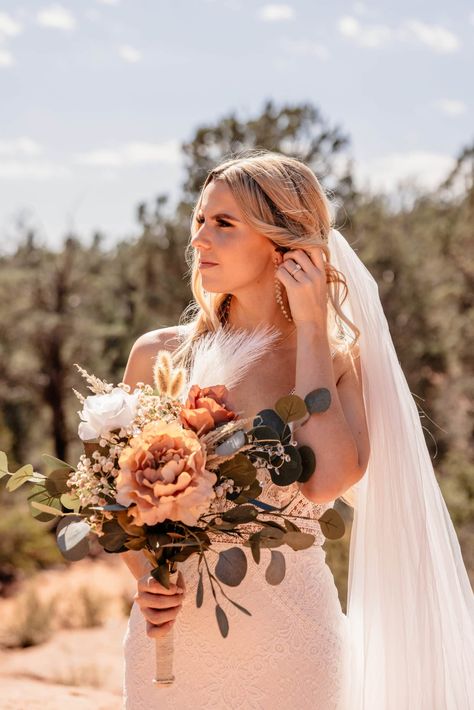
{"points": [[410, 607]]}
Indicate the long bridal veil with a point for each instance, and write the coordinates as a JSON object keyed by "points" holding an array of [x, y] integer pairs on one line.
{"points": [[410, 607]]}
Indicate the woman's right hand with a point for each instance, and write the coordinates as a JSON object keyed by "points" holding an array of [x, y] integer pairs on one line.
{"points": [[159, 605]]}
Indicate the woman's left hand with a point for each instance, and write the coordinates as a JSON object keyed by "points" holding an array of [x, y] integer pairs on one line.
{"points": [[307, 289]]}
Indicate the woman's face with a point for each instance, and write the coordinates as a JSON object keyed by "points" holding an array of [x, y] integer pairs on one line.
{"points": [[241, 256]]}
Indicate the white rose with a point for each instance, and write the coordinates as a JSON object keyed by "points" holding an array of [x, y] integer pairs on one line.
{"points": [[103, 412]]}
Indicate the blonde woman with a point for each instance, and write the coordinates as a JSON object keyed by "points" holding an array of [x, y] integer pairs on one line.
{"points": [[263, 252]]}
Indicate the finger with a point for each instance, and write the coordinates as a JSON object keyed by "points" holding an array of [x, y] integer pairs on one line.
{"points": [[150, 584], [160, 616], [158, 601], [317, 256], [301, 258]]}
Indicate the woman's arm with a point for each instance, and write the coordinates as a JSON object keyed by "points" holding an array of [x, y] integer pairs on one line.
{"points": [[139, 368], [338, 436]]}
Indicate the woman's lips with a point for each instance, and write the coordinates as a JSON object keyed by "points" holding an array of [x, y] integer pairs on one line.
{"points": [[205, 265]]}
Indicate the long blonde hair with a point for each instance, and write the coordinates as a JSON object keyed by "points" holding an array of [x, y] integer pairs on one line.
{"points": [[281, 198]]}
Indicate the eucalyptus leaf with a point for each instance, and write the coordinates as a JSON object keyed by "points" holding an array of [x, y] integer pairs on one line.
{"points": [[270, 418], [162, 575], [246, 495], [264, 433], [240, 514], [71, 501], [136, 543], [299, 540], [72, 537], [308, 463], [20, 477], [289, 471], [332, 524], [52, 462], [275, 572], [290, 408], [46, 508], [200, 591], [3, 464], [318, 400], [240, 469], [222, 620], [231, 566], [239, 606], [39, 494], [56, 482]]}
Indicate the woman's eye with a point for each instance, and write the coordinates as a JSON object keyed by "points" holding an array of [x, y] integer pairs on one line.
{"points": [[221, 222]]}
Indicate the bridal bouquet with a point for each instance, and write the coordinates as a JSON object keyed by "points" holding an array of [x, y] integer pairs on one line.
{"points": [[168, 465]]}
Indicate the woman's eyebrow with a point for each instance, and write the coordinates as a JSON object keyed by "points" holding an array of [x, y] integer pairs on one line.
{"points": [[223, 214]]}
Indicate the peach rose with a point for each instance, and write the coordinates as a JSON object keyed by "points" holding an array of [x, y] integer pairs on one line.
{"points": [[162, 471], [205, 408]]}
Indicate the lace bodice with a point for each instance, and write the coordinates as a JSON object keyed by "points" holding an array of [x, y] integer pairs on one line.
{"points": [[280, 496]]}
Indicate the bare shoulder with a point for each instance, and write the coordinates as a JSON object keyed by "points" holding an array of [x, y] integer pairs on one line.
{"points": [[139, 367]]}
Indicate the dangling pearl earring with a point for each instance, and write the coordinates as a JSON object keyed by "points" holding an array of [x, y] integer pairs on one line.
{"points": [[279, 297]]}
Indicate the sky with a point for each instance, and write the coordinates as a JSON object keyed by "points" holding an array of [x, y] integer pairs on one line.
{"points": [[98, 95]]}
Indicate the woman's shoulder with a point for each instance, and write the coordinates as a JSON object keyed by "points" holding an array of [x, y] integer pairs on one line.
{"points": [[167, 338]]}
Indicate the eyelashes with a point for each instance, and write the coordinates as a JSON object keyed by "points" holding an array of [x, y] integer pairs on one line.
{"points": [[220, 222]]}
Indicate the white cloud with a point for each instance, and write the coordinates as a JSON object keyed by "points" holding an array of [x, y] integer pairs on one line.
{"points": [[436, 37], [20, 147], [35, 170], [471, 18], [276, 13], [305, 48], [108, 2], [6, 58], [130, 54], [56, 16], [453, 107], [423, 168], [8, 26], [364, 35], [131, 154]]}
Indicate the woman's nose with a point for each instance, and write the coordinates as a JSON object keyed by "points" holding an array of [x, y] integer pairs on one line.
{"points": [[200, 239]]}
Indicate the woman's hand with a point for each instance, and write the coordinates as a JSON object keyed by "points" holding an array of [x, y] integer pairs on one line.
{"points": [[306, 289], [159, 605]]}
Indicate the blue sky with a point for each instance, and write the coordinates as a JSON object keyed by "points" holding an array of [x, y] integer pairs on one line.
{"points": [[97, 95]]}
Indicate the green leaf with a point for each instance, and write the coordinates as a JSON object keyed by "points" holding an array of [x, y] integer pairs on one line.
{"points": [[52, 462], [255, 549], [239, 606], [114, 538], [299, 540], [318, 400], [290, 408], [240, 469], [56, 481], [291, 526], [46, 508], [231, 566], [252, 492], [332, 524], [40, 495], [308, 463], [200, 591], [271, 419], [70, 501], [72, 537], [222, 620], [264, 433], [20, 477], [240, 514], [3, 464], [275, 571], [289, 471]]}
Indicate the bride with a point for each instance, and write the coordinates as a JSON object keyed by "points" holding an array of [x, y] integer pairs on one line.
{"points": [[264, 255]]}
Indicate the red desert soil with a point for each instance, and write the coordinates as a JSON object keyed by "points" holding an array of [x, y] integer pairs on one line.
{"points": [[77, 668]]}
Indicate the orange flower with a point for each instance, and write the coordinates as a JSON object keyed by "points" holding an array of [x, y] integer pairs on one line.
{"points": [[162, 472], [205, 408]]}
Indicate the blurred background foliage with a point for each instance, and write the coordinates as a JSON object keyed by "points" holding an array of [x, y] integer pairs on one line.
{"points": [[87, 304]]}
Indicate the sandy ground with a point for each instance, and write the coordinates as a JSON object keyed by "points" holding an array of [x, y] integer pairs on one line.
{"points": [[77, 668]]}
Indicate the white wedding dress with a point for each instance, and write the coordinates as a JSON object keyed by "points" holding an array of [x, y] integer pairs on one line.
{"points": [[291, 654]]}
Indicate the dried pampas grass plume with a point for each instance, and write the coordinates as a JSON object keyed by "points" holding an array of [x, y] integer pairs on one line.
{"points": [[168, 380]]}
